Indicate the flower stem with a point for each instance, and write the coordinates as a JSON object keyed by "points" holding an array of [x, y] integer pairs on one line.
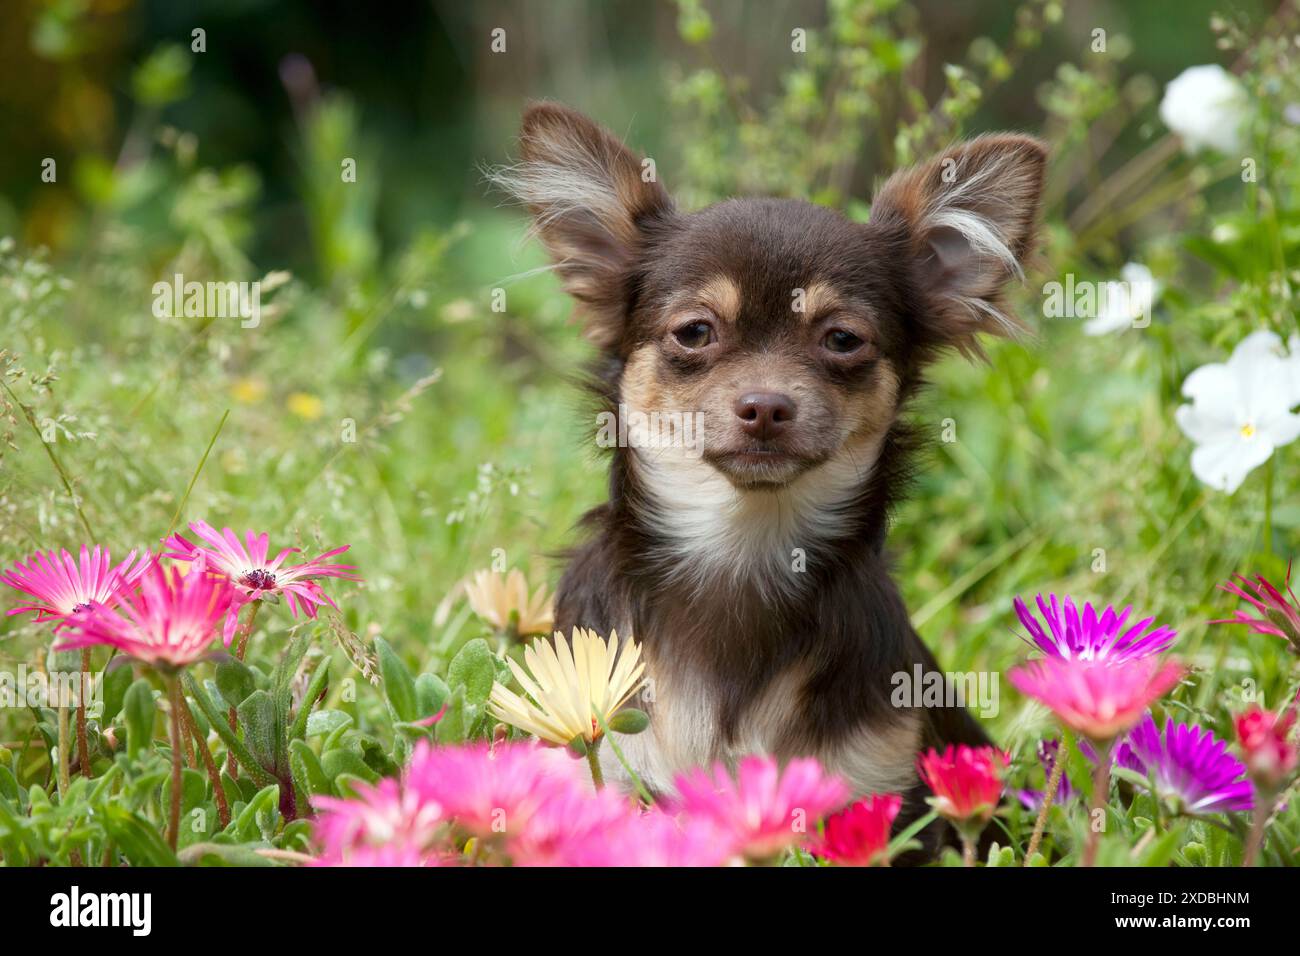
{"points": [[593, 762], [83, 688], [1254, 842], [967, 851], [214, 776], [1049, 795], [1100, 791], [174, 816], [232, 766], [65, 777], [1268, 507]]}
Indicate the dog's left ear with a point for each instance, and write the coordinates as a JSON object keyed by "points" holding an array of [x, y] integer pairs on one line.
{"points": [[968, 220]]}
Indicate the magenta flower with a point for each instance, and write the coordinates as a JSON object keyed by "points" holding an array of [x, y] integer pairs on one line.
{"points": [[568, 823], [168, 622], [764, 809], [967, 781], [656, 839], [388, 824], [1098, 699], [1086, 636], [60, 585], [1278, 609], [859, 835], [493, 792], [254, 575], [1192, 768]]}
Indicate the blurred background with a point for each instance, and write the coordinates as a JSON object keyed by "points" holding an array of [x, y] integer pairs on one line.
{"points": [[221, 154]]}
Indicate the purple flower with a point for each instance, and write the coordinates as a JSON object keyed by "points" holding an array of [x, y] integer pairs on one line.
{"points": [[1087, 637], [1191, 767], [1048, 751]]}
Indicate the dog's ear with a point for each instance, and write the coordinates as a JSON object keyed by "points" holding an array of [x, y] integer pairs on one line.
{"points": [[591, 199], [968, 219]]}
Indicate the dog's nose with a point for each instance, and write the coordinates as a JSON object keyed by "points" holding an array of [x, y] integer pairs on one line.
{"points": [[764, 414]]}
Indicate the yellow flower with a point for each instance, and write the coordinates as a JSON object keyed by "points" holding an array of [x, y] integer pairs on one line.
{"points": [[495, 597], [570, 689], [305, 405], [249, 390]]}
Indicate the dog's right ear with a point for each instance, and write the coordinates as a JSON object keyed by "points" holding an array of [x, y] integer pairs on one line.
{"points": [[591, 198]]}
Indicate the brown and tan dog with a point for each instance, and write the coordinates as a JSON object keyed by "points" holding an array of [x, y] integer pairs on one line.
{"points": [[751, 564]]}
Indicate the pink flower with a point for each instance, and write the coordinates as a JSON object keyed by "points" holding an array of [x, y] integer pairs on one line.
{"points": [[567, 823], [1264, 736], [384, 825], [1279, 613], [763, 809], [61, 586], [653, 839], [1098, 699], [967, 781], [169, 621], [491, 792], [253, 575], [859, 835]]}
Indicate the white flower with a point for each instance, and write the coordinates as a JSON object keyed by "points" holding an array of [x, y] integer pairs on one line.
{"points": [[1269, 344], [1240, 411], [1120, 304], [567, 688], [1206, 106]]}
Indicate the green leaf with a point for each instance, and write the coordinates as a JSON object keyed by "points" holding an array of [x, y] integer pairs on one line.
{"points": [[139, 709], [376, 757], [308, 773], [222, 854], [474, 668], [218, 723], [315, 687], [8, 785], [348, 786], [325, 722], [286, 669], [348, 762], [451, 729], [138, 840], [116, 682], [259, 819], [430, 694], [399, 688], [258, 718], [235, 681]]}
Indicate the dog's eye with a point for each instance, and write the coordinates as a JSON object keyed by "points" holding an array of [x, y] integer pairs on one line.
{"points": [[695, 335], [841, 342]]}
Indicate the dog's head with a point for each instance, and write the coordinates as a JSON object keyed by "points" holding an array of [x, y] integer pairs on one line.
{"points": [[794, 331]]}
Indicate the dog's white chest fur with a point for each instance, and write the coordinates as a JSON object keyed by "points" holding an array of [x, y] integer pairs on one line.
{"points": [[715, 532], [684, 734]]}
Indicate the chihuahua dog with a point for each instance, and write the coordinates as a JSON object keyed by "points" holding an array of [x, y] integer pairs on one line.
{"points": [[749, 560]]}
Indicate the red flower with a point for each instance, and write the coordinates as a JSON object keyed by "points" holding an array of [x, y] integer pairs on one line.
{"points": [[967, 781], [859, 835], [1270, 756]]}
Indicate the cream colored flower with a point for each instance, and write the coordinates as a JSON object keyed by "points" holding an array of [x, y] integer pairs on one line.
{"points": [[569, 688], [496, 597]]}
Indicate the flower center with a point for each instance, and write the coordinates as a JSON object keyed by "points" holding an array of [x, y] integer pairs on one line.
{"points": [[259, 579], [1248, 430], [86, 606]]}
